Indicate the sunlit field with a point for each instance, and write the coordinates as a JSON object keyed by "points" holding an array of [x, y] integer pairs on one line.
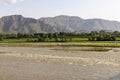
{"points": [[74, 59]]}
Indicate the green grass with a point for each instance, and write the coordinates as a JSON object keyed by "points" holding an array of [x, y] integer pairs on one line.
{"points": [[24, 40], [13, 41], [76, 42], [74, 39], [117, 39], [79, 39], [67, 44]]}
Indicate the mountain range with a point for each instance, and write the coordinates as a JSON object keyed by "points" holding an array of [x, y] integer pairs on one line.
{"points": [[62, 23]]}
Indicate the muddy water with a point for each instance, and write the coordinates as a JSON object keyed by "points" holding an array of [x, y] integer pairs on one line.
{"points": [[13, 67]]}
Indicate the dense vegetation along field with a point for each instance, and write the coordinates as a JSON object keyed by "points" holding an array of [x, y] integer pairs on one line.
{"points": [[23, 40], [77, 39], [62, 37]]}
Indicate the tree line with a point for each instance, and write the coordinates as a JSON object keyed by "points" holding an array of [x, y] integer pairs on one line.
{"points": [[103, 36], [65, 36]]}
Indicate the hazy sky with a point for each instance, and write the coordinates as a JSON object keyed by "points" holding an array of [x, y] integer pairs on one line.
{"points": [[105, 9]]}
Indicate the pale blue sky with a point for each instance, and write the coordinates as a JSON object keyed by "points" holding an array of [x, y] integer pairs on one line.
{"points": [[105, 9]]}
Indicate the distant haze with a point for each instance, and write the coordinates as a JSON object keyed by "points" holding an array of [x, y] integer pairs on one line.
{"points": [[87, 9]]}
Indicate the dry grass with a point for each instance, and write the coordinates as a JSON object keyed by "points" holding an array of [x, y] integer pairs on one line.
{"points": [[2, 53], [85, 44], [100, 49]]}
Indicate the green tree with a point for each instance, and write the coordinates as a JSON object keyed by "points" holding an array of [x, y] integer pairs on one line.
{"points": [[56, 37]]}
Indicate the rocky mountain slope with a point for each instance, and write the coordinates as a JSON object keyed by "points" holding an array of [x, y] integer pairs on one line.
{"points": [[18, 23]]}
